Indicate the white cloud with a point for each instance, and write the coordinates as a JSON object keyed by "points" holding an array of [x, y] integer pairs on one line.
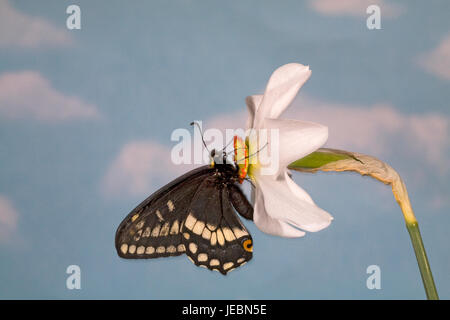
{"points": [[27, 94], [8, 218], [139, 168], [24, 31], [378, 130], [437, 61], [355, 8]]}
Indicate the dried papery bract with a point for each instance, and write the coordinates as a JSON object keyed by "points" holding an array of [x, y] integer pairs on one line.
{"points": [[339, 161]]}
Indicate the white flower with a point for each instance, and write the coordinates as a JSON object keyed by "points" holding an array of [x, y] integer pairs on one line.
{"points": [[280, 205]]}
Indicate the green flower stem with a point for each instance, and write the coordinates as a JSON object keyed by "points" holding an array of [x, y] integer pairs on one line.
{"points": [[422, 260], [339, 160]]}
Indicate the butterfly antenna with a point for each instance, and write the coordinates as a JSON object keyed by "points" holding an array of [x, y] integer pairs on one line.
{"points": [[224, 148], [251, 182], [251, 155], [201, 132]]}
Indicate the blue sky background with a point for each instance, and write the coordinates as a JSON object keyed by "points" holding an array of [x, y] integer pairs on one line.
{"points": [[139, 70]]}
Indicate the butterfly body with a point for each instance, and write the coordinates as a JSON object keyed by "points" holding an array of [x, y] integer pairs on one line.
{"points": [[195, 215]]}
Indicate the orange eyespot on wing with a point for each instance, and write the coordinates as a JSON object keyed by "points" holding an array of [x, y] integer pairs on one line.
{"points": [[248, 245], [241, 157]]}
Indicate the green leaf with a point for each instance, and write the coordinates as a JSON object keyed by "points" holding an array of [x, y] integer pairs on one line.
{"points": [[318, 159]]}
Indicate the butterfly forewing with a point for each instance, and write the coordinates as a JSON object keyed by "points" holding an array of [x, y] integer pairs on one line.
{"points": [[213, 235], [152, 229]]}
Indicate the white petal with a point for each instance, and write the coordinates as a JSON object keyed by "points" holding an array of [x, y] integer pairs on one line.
{"points": [[253, 195], [281, 89], [297, 139], [269, 225], [281, 203], [297, 190], [253, 103]]}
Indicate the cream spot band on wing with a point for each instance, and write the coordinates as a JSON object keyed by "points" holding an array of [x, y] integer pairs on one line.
{"points": [[214, 262], [137, 236], [202, 257], [170, 205], [175, 228], [124, 248], [164, 230], [227, 265], [140, 224], [228, 234], [155, 231], [160, 249], [198, 227], [239, 233], [132, 249], [160, 217], [220, 237], [146, 233], [140, 250], [150, 250], [190, 221], [206, 234], [214, 238], [193, 247]]}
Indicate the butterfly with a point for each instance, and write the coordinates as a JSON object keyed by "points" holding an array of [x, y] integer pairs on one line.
{"points": [[195, 215]]}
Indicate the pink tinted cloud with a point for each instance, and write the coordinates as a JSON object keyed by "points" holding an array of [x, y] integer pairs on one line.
{"points": [[355, 8], [437, 61], [21, 30], [139, 168], [8, 219], [379, 129], [27, 94]]}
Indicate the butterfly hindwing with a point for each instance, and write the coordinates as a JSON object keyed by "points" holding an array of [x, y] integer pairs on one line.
{"points": [[213, 235], [153, 229]]}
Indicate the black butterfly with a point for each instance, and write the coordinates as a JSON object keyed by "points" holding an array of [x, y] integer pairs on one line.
{"points": [[194, 215]]}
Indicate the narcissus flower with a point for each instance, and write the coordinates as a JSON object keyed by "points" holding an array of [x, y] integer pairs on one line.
{"points": [[281, 207]]}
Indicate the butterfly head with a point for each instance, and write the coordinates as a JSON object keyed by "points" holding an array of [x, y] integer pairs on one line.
{"points": [[218, 158]]}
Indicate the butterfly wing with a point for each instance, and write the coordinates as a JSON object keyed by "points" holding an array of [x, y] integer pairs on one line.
{"points": [[213, 235], [153, 228]]}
